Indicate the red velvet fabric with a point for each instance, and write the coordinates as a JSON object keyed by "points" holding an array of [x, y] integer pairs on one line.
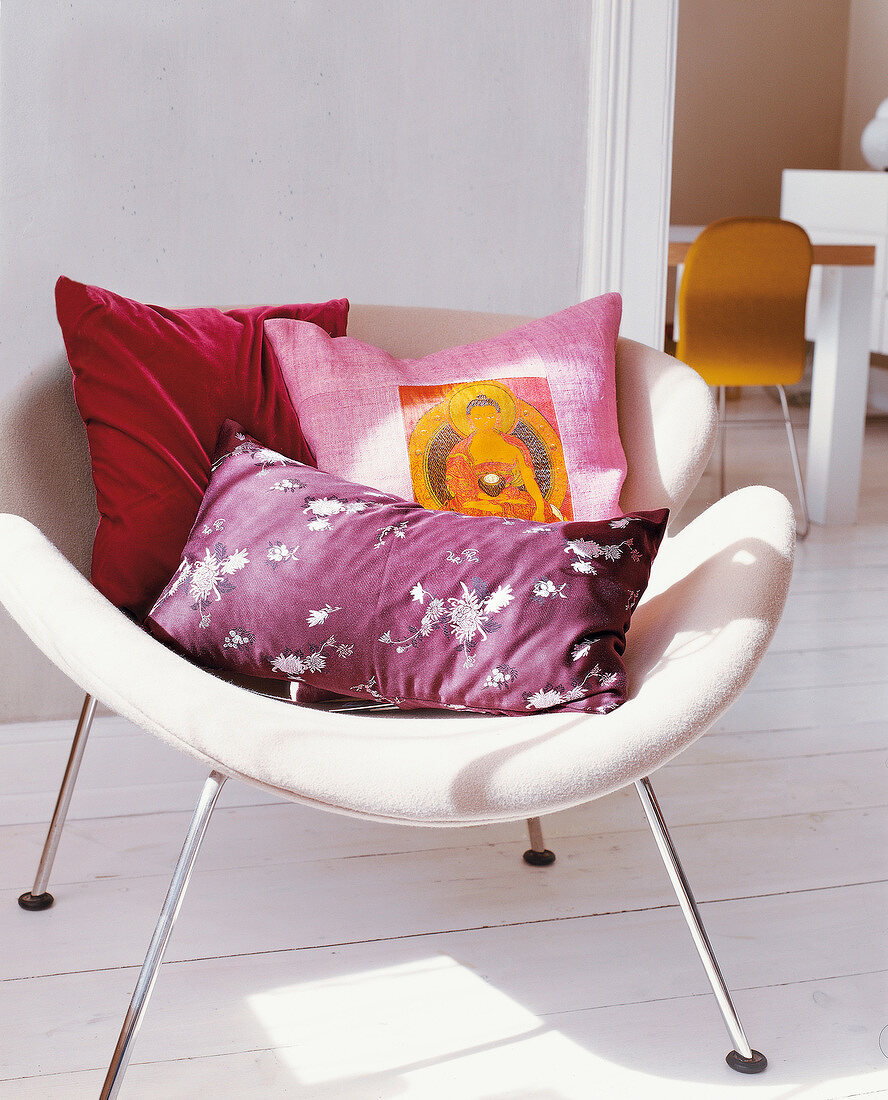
{"points": [[153, 386]]}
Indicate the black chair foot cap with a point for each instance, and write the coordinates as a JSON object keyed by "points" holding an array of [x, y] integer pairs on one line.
{"points": [[539, 859], [755, 1064], [35, 904]]}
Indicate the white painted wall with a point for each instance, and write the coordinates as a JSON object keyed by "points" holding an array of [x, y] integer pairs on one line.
{"points": [[222, 151]]}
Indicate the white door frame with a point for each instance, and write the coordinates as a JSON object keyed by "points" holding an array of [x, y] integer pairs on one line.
{"points": [[629, 159]]}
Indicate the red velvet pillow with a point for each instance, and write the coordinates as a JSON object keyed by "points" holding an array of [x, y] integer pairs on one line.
{"points": [[294, 574], [153, 386]]}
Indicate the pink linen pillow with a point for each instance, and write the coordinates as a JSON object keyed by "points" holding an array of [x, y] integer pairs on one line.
{"points": [[522, 425], [295, 574], [153, 386]]}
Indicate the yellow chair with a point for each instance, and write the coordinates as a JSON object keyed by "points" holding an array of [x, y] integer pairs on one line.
{"points": [[741, 314]]}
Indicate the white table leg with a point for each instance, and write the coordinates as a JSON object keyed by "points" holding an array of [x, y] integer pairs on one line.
{"points": [[838, 394]]}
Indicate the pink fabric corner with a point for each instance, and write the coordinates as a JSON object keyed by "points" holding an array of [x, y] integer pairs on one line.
{"points": [[350, 396]]}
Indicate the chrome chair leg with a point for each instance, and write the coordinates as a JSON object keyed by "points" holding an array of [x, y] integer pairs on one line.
{"points": [[537, 855], [38, 897], [743, 1058], [150, 967], [796, 468], [723, 431]]}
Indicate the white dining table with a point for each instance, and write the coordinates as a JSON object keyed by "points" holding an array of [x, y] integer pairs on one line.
{"points": [[839, 377]]}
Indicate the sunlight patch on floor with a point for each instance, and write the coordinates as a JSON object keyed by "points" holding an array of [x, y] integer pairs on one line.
{"points": [[392, 1019], [430, 1028]]}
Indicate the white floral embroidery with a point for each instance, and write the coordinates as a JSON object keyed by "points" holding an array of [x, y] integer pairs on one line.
{"points": [[577, 691], [581, 648], [261, 456], [208, 577], [207, 529], [370, 689], [588, 548], [315, 662], [622, 521], [468, 617], [234, 562], [434, 614], [279, 552], [324, 509], [583, 567], [287, 485], [552, 696], [294, 664], [501, 598], [289, 664], [324, 506], [315, 618], [583, 548], [418, 593], [500, 677], [544, 589], [633, 599], [546, 697], [177, 580], [463, 557], [244, 448], [237, 638], [398, 530], [265, 459]]}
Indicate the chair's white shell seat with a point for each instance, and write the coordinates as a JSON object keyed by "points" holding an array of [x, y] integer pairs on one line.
{"points": [[716, 592]]}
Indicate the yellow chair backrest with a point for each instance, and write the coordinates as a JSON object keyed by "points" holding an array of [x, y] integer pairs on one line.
{"points": [[741, 306]]}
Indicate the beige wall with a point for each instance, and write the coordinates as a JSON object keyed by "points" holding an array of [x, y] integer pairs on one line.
{"points": [[760, 87], [867, 79]]}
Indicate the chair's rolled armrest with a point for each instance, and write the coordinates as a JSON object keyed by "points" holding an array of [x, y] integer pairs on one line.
{"points": [[95, 644]]}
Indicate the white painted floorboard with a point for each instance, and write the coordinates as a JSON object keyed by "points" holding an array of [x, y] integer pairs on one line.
{"points": [[323, 958]]}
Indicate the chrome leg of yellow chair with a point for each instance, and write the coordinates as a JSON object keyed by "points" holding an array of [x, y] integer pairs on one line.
{"points": [[743, 1058], [797, 470], [171, 906], [722, 431], [537, 855], [38, 897]]}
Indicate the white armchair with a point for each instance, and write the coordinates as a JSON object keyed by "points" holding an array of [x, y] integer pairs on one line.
{"points": [[716, 592]]}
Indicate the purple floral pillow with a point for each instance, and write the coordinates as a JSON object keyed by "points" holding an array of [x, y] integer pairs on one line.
{"points": [[295, 574]]}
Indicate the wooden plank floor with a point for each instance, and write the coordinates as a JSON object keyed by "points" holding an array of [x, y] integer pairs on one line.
{"points": [[322, 958]]}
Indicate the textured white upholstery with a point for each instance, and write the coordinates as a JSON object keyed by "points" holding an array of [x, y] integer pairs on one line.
{"points": [[716, 592]]}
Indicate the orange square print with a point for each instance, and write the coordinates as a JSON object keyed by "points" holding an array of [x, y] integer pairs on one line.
{"points": [[487, 448]]}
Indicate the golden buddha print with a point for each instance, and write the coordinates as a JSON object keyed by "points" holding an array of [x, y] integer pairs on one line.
{"points": [[487, 448]]}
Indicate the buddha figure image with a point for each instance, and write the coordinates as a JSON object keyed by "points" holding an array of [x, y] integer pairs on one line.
{"points": [[481, 450], [490, 472]]}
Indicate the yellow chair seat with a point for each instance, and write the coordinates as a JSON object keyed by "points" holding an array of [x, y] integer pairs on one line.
{"points": [[741, 311], [742, 302]]}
